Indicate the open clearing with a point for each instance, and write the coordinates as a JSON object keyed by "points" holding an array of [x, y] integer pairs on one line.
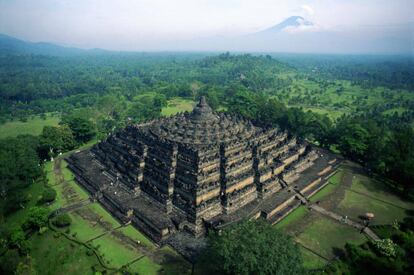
{"points": [[33, 126], [349, 193], [177, 105]]}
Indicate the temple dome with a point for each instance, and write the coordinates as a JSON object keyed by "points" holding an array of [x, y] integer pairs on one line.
{"points": [[203, 111], [203, 126]]}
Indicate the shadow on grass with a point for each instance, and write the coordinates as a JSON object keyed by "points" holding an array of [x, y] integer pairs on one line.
{"points": [[338, 252], [172, 264]]}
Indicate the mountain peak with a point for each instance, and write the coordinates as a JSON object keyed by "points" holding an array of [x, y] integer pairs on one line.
{"points": [[290, 22]]}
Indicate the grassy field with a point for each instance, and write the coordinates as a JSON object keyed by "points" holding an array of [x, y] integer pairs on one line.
{"points": [[53, 254], [333, 184], [295, 215], [145, 266], [33, 194], [119, 246], [369, 195], [116, 253], [33, 126], [134, 234], [310, 260], [177, 105], [324, 235], [348, 193]]}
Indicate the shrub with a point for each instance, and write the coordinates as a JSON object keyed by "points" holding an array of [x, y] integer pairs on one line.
{"points": [[48, 195], [386, 247], [62, 220], [36, 218]]}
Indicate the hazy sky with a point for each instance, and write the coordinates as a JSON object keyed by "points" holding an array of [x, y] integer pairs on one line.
{"points": [[121, 24]]}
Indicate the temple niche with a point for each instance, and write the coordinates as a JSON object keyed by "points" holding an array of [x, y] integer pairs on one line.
{"points": [[199, 171]]}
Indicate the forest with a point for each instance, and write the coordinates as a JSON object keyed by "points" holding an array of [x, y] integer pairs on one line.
{"points": [[359, 106]]}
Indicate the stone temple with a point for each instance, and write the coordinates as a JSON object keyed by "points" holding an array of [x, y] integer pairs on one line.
{"points": [[200, 171]]}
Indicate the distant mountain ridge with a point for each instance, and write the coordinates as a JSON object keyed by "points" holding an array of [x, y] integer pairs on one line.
{"points": [[13, 46], [295, 34]]}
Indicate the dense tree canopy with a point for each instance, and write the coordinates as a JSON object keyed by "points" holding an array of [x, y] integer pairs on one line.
{"points": [[19, 167], [54, 140], [252, 247], [82, 128]]}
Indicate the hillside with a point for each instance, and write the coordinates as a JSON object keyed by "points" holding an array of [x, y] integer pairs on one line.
{"points": [[13, 46]]}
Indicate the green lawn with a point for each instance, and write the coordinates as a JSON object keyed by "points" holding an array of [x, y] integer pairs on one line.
{"points": [[177, 105], [134, 234], [293, 216], [379, 190], [67, 173], [103, 214], [355, 205], [369, 195], [33, 126], [324, 235], [115, 253], [57, 255], [145, 266], [331, 187], [310, 260], [84, 230], [173, 264]]}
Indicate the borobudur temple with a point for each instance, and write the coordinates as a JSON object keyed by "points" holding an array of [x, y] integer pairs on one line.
{"points": [[200, 171]]}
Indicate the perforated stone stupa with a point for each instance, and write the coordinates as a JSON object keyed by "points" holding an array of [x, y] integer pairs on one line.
{"points": [[199, 171]]}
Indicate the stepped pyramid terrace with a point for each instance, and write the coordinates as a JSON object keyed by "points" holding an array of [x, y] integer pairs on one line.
{"points": [[200, 171]]}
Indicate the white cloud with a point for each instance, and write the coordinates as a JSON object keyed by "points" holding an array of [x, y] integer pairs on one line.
{"points": [[308, 9]]}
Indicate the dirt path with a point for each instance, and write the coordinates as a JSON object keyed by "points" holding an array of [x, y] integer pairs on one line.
{"points": [[69, 193], [58, 171]]}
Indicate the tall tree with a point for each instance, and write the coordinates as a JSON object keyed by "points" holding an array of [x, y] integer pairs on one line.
{"points": [[82, 128], [19, 167], [252, 247], [56, 139]]}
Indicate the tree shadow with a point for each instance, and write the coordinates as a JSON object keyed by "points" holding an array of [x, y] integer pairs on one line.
{"points": [[338, 252], [174, 264]]}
